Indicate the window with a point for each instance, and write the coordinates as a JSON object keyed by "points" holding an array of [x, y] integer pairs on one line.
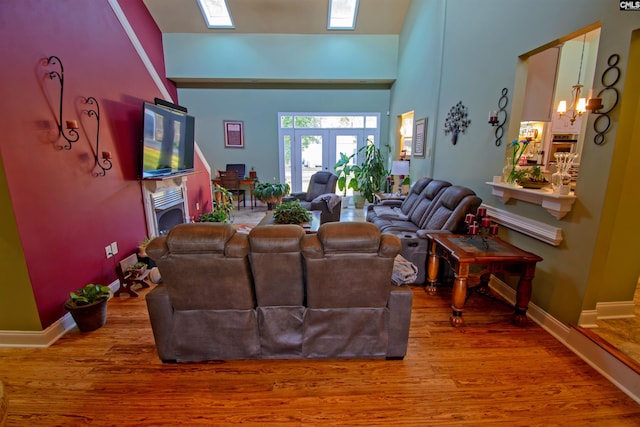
{"points": [[342, 14], [216, 13]]}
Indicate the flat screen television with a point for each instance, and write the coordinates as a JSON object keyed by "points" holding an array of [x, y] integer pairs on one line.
{"points": [[167, 141]]}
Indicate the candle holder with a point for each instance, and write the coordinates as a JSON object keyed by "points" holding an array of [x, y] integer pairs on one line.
{"points": [[105, 162], [480, 226], [72, 125]]}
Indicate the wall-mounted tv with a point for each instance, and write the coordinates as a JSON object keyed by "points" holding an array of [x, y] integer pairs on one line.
{"points": [[167, 141]]}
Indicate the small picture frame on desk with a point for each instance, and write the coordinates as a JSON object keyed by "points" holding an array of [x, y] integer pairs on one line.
{"points": [[233, 134]]}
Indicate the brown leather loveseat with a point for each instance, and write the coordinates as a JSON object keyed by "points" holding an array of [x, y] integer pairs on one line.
{"points": [[277, 293]]}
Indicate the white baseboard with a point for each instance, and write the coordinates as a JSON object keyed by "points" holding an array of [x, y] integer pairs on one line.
{"points": [[615, 310], [607, 310], [623, 377], [41, 339]]}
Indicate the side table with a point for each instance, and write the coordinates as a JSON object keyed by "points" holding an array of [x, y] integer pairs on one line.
{"points": [[493, 255]]}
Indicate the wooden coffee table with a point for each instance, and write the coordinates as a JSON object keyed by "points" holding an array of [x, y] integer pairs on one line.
{"points": [[492, 255]]}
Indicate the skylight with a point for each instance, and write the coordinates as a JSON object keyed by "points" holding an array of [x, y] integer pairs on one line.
{"points": [[342, 14], [216, 13]]}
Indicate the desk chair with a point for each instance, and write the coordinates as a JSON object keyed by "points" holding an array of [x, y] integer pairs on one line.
{"points": [[241, 168], [231, 181]]}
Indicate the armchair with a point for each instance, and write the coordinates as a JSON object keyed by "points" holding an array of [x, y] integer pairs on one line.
{"points": [[205, 307], [321, 196], [352, 307]]}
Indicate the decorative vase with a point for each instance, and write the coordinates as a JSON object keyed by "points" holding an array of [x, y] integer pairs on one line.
{"points": [[561, 182], [507, 171], [561, 179]]}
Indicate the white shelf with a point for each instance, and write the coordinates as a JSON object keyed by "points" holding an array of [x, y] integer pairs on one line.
{"points": [[557, 205]]}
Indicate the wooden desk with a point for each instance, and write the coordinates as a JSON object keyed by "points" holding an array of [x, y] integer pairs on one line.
{"points": [[249, 182], [493, 255]]}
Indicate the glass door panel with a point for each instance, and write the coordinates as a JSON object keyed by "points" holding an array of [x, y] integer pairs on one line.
{"points": [[347, 142], [308, 157]]}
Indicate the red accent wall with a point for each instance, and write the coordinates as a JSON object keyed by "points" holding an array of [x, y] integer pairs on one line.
{"points": [[65, 215]]}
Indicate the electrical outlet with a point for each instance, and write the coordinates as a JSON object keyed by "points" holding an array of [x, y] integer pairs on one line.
{"points": [[114, 248], [197, 206], [107, 251]]}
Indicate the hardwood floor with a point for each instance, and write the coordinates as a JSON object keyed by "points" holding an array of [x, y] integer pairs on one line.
{"points": [[489, 372]]}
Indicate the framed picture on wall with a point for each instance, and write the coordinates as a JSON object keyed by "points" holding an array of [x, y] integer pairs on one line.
{"points": [[419, 137], [233, 134]]}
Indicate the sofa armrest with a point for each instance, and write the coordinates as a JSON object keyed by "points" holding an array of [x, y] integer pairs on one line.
{"points": [[295, 196], [423, 233], [399, 306], [161, 317]]}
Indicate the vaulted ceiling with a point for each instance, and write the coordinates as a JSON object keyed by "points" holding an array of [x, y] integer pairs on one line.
{"points": [[279, 16]]}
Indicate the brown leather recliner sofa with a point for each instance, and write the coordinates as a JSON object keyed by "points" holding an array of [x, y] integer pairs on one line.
{"points": [[432, 206], [277, 293]]}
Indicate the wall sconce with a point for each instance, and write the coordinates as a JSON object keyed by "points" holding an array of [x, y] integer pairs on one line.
{"points": [[105, 162], [72, 125], [499, 118]]}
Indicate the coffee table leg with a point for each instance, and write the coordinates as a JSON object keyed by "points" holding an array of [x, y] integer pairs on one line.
{"points": [[523, 294], [432, 269], [459, 295]]}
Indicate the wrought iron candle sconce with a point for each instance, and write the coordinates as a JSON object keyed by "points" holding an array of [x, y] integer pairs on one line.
{"points": [[71, 125], [103, 162], [609, 78], [499, 118]]}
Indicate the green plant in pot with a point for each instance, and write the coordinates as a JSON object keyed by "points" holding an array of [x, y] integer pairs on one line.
{"points": [[530, 178], [142, 247], [345, 172], [291, 213], [271, 193], [371, 174], [222, 206], [88, 306]]}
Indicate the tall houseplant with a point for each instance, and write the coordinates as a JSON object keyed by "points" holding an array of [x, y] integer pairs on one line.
{"points": [[372, 172]]}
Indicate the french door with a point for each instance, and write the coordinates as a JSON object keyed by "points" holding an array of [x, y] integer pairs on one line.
{"points": [[313, 150], [313, 142]]}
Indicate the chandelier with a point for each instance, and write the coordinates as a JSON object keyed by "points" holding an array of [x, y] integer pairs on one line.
{"points": [[578, 103]]}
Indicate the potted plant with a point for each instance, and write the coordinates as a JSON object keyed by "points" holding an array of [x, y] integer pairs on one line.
{"points": [[344, 170], [271, 193], [221, 195], [372, 172], [222, 206], [88, 306], [142, 247], [291, 212], [531, 178]]}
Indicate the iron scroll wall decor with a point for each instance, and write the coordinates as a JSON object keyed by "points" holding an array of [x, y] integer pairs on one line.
{"points": [[501, 116], [105, 162], [610, 77], [72, 125]]}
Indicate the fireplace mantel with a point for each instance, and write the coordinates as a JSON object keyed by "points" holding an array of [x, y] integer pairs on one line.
{"points": [[151, 188]]}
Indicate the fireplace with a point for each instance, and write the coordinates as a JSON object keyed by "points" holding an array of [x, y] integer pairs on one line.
{"points": [[165, 204]]}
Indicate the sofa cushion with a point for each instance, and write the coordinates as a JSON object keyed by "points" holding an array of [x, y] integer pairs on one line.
{"points": [[276, 264], [449, 211]]}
